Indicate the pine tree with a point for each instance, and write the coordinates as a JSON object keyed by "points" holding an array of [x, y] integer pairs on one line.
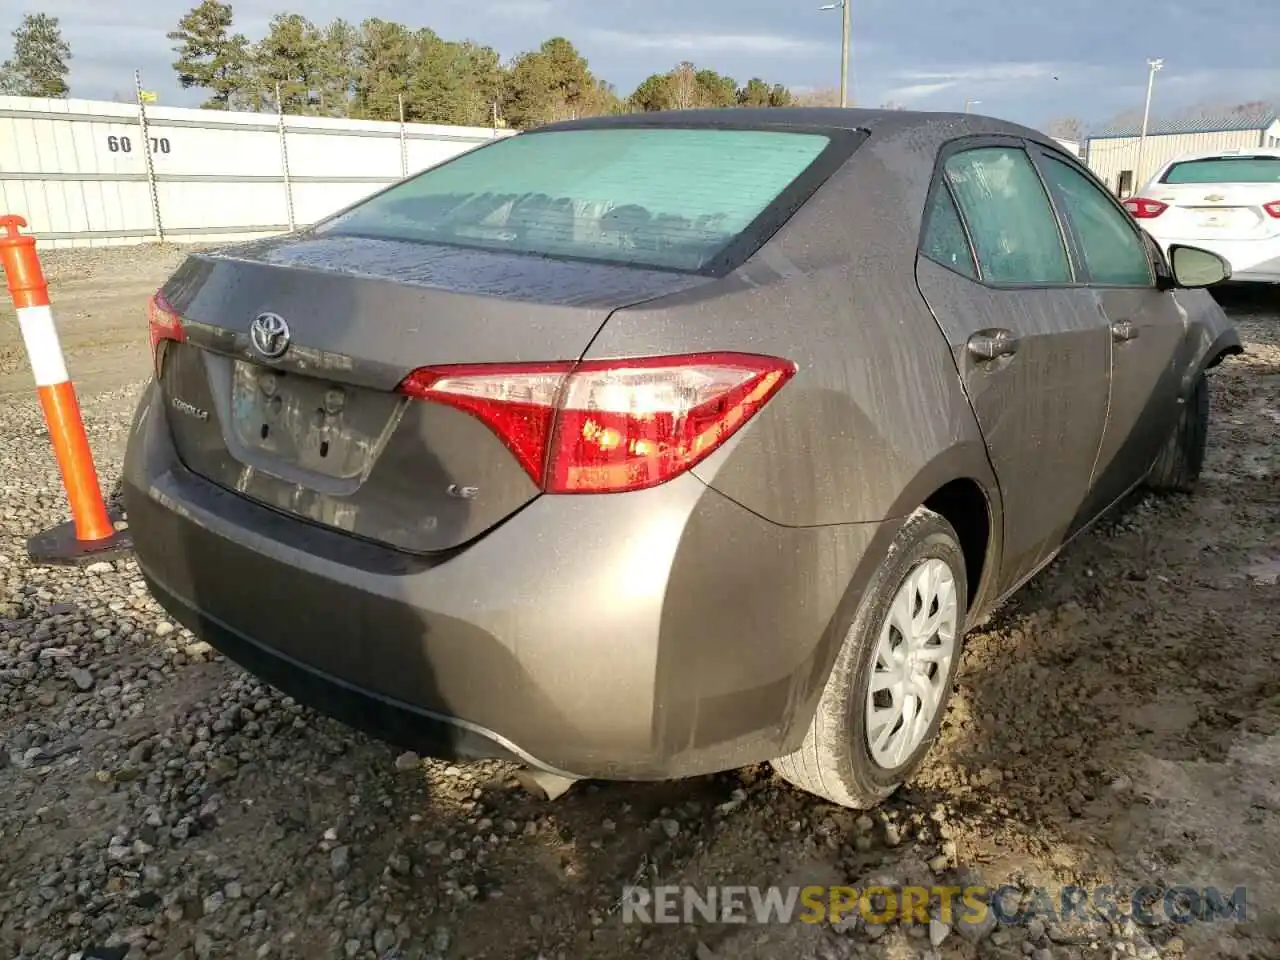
{"points": [[38, 67], [289, 59], [210, 56]]}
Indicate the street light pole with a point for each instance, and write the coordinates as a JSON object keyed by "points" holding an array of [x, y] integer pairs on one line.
{"points": [[844, 7], [844, 53], [1153, 66], [970, 103]]}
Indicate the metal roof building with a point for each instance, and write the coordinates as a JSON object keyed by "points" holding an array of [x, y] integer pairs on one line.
{"points": [[1113, 153]]}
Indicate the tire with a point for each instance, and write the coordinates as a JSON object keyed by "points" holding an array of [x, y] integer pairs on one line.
{"points": [[835, 760], [1177, 468]]}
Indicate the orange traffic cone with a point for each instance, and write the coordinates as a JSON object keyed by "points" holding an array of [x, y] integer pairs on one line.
{"points": [[91, 535]]}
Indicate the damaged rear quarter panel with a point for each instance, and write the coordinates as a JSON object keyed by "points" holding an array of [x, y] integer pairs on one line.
{"points": [[873, 423]]}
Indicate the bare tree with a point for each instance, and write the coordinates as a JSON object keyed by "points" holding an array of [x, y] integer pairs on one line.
{"points": [[1210, 110], [1127, 118], [684, 86], [821, 97], [1066, 128]]}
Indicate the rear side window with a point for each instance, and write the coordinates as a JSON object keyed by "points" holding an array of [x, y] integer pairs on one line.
{"points": [[944, 239], [1111, 248], [656, 197], [1015, 233], [1225, 170]]}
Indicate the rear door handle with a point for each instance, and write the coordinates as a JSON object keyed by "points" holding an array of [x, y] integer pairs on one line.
{"points": [[991, 344], [1123, 331]]}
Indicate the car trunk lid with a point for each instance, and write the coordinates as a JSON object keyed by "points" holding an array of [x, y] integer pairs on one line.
{"points": [[320, 431], [1217, 211]]}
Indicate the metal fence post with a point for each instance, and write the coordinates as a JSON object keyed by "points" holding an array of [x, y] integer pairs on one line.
{"points": [[284, 160], [146, 152], [404, 144]]}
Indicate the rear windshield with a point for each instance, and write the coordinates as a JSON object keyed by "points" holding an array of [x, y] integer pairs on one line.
{"points": [[655, 197], [1225, 170]]}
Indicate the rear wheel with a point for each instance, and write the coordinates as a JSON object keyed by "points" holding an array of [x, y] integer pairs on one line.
{"points": [[891, 682], [1177, 468]]}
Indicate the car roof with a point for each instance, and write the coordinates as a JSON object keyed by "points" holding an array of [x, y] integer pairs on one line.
{"points": [[944, 125]]}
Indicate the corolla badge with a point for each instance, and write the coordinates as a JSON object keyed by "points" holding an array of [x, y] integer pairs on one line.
{"points": [[190, 409], [269, 335]]}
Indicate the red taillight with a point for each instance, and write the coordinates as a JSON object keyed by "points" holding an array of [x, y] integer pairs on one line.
{"points": [[1273, 209], [517, 402], [1144, 209], [630, 425], [162, 324], [609, 426]]}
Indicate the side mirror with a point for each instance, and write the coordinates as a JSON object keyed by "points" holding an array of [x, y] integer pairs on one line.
{"points": [[1193, 267]]}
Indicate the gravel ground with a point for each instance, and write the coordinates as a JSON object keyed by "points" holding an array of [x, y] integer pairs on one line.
{"points": [[1118, 722]]}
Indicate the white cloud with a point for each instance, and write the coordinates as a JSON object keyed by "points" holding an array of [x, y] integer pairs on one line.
{"points": [[985, 73], [521, 9], [1251, 82], [706, 43], [925, 83], [918, 91]]}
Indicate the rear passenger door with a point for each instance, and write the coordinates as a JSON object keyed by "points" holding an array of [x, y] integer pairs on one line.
{"points": [[1148, 329], [1028, 337]]}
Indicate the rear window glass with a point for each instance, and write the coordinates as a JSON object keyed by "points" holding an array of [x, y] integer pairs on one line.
{"points": [[659, 197], [1225, 170]]}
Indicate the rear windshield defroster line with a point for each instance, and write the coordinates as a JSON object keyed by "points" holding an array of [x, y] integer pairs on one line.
{"points": [[696, 199]]}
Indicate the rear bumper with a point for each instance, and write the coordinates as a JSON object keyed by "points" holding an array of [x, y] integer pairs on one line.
{"points": [[658, 634], [1252, 261], [429, 733]]}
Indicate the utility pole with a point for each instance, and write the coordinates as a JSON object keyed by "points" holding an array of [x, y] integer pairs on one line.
{"points": [[844, 7], [1153, 67], [844, 53], [284, 159], [404, 145]]}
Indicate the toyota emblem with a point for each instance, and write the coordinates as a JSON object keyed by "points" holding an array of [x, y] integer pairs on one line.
{"points": [[269, 335]]}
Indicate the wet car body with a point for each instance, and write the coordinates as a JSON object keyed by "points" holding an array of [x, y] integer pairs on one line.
{"points": [[416, 582]]}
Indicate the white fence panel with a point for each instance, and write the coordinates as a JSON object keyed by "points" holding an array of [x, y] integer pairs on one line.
{"points": [[311, 201], [77, 169]]}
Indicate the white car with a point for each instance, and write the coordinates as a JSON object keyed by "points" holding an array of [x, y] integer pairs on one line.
{"points": [[1227, 201]]}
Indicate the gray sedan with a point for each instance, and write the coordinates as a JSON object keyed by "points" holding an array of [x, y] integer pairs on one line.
{"points": [[650, 446]]}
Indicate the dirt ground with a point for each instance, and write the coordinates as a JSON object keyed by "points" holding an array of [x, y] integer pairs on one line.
{"points": [[1117, 723]]}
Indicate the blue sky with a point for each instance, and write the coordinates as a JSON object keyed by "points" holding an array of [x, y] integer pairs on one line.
{"points": [[1025, 60]]}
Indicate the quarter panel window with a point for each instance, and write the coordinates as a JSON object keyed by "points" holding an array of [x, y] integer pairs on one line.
{"points": [[1015, 233], [944, 239], [1112, 250]]}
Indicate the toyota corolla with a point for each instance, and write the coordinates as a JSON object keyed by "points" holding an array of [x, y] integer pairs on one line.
{"points": [[656, 445]]}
